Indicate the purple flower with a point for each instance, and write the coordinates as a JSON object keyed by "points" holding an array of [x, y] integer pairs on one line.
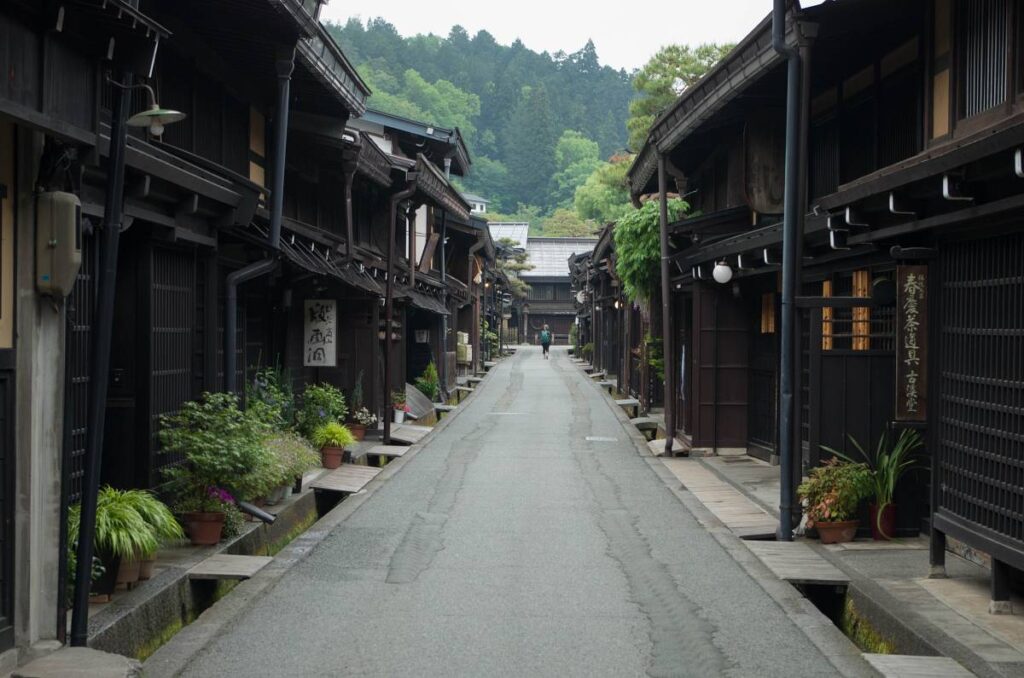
{"points": [[221, 495]]}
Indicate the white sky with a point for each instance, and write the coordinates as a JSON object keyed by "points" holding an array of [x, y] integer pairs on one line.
{"points": [[626, 35]]}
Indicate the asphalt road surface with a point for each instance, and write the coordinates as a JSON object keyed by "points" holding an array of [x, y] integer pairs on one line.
{"points": [[527, 538]]}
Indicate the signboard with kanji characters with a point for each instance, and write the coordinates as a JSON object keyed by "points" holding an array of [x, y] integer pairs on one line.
{"points": [[912, 343], [320, 347]]}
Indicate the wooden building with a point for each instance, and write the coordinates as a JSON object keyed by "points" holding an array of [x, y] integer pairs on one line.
{"points": [[912, 199]]}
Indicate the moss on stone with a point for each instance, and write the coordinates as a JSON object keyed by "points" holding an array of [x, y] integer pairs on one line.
{"points": [[158, 639], [307, 522], [858, 629]]}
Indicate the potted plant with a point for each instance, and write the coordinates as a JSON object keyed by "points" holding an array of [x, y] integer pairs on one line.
{"points": [[362, 419], [888, 464], [429, 383], [160, 520], [332, 438], [295, 456], [122, 535], [831, 496], [97, 571], [321, 404], [399, 406], [224, 456]]}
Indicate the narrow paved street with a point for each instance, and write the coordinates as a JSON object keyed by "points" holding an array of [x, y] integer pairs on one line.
{"points": [[527, 538]]}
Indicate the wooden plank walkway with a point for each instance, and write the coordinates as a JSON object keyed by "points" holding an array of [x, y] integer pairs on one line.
{"points": [[410, 434], [225, 566], [910, 666], [742, 516], [797, 563], [347, 478]]}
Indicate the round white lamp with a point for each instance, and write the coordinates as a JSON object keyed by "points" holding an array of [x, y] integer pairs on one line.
{"points": [[722, 273]]}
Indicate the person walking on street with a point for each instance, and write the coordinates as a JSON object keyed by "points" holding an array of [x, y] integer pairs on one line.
{"points": [[545, 341]]}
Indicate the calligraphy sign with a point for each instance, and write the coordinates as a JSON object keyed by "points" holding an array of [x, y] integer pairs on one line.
{"points": [[912, 343], [320, 346]]}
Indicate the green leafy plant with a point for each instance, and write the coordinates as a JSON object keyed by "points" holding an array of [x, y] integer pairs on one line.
{"points": [[294, 455], [833, 491], [429, 383], [587, 350], [889, 461], [489, 337], [71, 555], [155, 513], [234, 521], [357, 393], [638, 247], [655, 356], [270, 399], [120, 531], [574, 334], [332, 434], [222, 447], [321, 404], [398, 401]]}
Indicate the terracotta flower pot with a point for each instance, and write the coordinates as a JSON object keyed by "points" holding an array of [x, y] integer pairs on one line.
{"points": [[838, 532], [127, 573], [887, 522], [332, 457], [146, 565], [358, 431], [204, 527]]}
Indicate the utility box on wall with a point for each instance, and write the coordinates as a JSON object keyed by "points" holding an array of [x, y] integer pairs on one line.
{"points": [[58, 242]]}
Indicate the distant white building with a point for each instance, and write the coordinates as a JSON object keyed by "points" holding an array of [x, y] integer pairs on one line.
{"points": [[477, 205]]}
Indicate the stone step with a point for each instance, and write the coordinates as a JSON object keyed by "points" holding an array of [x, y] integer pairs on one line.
{"points": [[225, 566]]}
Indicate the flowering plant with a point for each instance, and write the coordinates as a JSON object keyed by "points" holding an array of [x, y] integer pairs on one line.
{"points": [[364, 417], [398, 401], [834, 490], [321, 404], [212, 500]]}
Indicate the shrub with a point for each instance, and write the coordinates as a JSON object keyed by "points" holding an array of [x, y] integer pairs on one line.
{"points": [[270, 399], [321, 404], [357, 393], [834, 490], [120, 530], [587, 350], [333, 434], [222, 447], [638, 247], [294, 455], [428, 383]]}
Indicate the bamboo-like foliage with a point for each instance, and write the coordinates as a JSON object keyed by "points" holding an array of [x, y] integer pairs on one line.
{"points": [[120, 530]]}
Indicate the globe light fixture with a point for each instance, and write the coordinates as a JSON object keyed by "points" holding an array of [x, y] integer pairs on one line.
{"points": [[723, 272]]}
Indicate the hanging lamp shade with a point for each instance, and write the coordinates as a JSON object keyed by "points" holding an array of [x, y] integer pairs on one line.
{"points": [[155, 118]]}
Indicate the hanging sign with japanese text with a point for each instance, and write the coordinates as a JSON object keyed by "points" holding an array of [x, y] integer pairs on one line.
{"points": [[912, 343], [321, 328]]}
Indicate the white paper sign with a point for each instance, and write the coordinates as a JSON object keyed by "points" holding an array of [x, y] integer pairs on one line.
{"points": [[320, 347]]}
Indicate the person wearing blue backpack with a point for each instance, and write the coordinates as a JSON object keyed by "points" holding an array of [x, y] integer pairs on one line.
{"points": [[545, 341]]}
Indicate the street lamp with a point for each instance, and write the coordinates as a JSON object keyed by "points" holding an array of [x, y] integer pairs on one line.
{"points": [[154, 117], [723, 272]]}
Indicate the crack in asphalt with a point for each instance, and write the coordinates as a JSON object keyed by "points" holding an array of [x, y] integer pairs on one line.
{"points": [[682, 641], [424, 538]]}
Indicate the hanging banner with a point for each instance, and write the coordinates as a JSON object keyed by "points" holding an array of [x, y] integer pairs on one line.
{"points": [[320, 346], [912, 343]]}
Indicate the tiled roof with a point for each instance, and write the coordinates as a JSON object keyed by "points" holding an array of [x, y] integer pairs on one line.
{"points": [[517, 231], [550, 256]]}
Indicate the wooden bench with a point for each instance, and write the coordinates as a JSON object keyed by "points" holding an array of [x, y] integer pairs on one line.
{"points": [[646, 425], [440, 409], [460, 391], [332, 487], [627, 403]]}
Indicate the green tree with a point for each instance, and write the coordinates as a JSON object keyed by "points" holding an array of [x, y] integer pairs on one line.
{"points": [[490, 180], [529, 147], [638, 247], [576, 158], [663, 79], [604, 197], [565, 222]]}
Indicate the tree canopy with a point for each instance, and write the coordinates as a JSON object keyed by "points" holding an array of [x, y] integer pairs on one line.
{"points": [[663, 79], [638, 247]]}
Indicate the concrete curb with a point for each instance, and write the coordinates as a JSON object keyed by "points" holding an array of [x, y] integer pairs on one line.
{"points": [[844, 656], [175, 656]]}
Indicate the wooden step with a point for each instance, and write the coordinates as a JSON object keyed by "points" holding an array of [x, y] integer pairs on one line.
{"points": [[347, 478], [797, 563], [627, 403], [389, 451], [679, 448], [914, 666], [645, 423], [598, 375], [225, 566], [474, 380], [409, 434], [611, 385]]}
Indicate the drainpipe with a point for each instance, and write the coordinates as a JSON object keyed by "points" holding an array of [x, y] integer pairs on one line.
{"points": [[444, 299], [790, 253], [666, 306], [410, 229], [103, 321], [389, 297], [284, 65], [350, 175]]}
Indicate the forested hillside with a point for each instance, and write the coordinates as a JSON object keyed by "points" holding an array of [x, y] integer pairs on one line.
{"points": [[537, 124]]}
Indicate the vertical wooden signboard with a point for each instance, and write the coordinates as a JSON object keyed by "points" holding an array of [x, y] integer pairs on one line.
{"points": [[912, 343], [320, 335]]}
